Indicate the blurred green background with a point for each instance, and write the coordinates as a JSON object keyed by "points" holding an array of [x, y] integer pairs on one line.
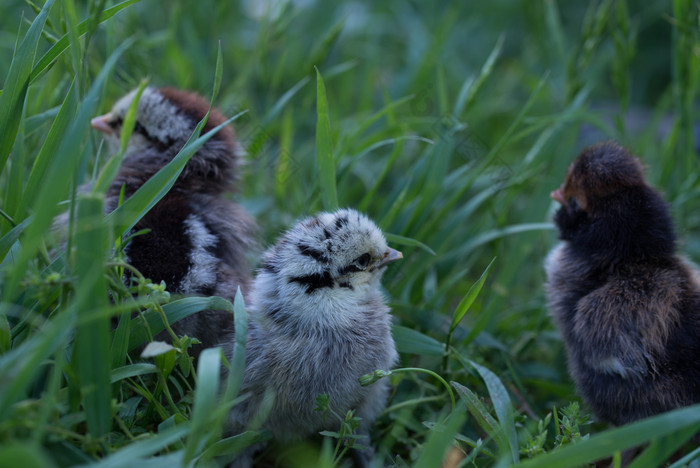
{"points": [[451, 122]]}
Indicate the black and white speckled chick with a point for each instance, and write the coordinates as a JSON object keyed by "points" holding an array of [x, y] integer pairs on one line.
{"points": [[318, 322], [627, 306], [199, 238]]}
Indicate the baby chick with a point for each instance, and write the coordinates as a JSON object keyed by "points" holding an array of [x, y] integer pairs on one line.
{"points": [[318, 322], [627, 306], [198, 238]]}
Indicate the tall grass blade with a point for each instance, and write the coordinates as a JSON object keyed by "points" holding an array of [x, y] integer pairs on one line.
{"points": [[16, 83], [62, 44], [204, 400], [483, 417], [503, 406], [61, 168], [324, 149], [65, 116], [239, 355], [91, 349]]}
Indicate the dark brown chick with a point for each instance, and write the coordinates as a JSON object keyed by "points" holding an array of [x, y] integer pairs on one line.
{"points": [[199, 238], [627, 306]]}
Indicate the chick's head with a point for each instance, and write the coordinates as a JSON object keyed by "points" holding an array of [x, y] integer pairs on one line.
{"points": [[323, 264], [597, 174], [164, 121], [607, 206]]}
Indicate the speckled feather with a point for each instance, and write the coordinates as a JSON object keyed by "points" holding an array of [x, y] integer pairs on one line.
{"points": [[627, 306], [311, 336]]}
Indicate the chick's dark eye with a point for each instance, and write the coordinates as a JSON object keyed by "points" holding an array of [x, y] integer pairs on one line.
{"points": [[116, 123], [362, 261], [573, 204]]}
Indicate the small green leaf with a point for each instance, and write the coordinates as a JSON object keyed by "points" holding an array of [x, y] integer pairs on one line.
{"points": [[414, 342], [131, 370], [469, 298]]}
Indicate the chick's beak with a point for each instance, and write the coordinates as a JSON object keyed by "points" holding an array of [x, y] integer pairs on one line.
{"points": [[101, 124], [390, 256], [558, 195]]}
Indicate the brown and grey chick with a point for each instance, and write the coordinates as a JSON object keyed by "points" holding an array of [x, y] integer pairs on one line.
{"points": [[317, 323], [627, 305], [198, 238]]}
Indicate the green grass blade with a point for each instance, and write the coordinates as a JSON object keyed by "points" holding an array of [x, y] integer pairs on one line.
{"points": [[469, 298], [218, 75], [488, 236], [91, 352], [58, 129], [232, 445], [482, 416], [659, 450], [471, 88], [16, 83], [237, 363], [62, 44], [412, 341], [9, 239], [440, 440], [24, 455], [208, 370], [503, 406], [234, 379], [282, 101], [606, 443], [20, 366], [683, 462], [324, 149], [136, 453], [61, 170], [323, 45], [132, 370]]}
